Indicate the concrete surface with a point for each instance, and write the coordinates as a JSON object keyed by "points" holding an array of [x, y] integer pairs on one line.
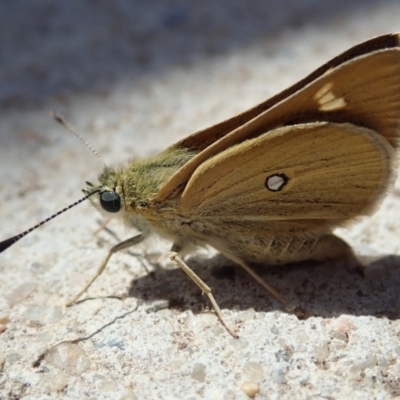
{"points": [[134, 77]]}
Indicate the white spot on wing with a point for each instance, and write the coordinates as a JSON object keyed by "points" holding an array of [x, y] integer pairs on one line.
{"points": [[276, 182], [327, 101], [335, 104], [324, 90]]}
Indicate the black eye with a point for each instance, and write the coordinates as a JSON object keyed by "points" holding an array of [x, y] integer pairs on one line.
{"points": [[110, 201]]}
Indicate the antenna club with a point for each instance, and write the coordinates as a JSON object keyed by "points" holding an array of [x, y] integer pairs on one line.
{"points": [[57, 117]]}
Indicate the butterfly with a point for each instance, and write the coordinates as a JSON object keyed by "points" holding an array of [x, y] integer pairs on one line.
{"points": [[270, 184]]}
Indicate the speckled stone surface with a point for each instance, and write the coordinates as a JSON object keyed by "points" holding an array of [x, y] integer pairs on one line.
{"points": [[134, 77]]}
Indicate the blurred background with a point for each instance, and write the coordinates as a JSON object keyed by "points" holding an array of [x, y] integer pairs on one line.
{"points": [[53, 49]]}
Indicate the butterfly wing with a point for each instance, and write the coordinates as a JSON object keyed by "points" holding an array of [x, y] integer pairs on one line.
{"points": [[316, 171], [204, 138], [364, 91]]}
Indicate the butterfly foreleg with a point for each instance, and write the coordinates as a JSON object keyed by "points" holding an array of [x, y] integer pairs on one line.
{"points": [[120, 246]]}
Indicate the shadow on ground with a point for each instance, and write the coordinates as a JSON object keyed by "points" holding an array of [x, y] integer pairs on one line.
{"points": [[323, 290]]}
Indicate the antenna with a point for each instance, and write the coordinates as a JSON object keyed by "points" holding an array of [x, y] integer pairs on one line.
{"points": [[62, 121], [5, 244]]}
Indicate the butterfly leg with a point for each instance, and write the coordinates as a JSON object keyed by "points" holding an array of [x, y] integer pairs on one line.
{"points": [[203, 287], [120, 246], [102, 226], [270, 289], [329, 248]]}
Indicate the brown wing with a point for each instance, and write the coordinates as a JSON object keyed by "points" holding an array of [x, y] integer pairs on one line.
{"points": [[202, 139], [363, 90], [323, 171]]}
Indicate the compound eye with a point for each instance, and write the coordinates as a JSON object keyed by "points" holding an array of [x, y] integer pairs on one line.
{"points": [[110, 201]]}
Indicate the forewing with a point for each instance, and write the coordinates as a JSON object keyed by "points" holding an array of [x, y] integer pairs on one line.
{"points": [[309, 171], [364, 91], [204, 138]]}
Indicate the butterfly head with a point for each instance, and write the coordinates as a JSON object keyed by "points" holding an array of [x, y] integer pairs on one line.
{"points": [[109, 198]]}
